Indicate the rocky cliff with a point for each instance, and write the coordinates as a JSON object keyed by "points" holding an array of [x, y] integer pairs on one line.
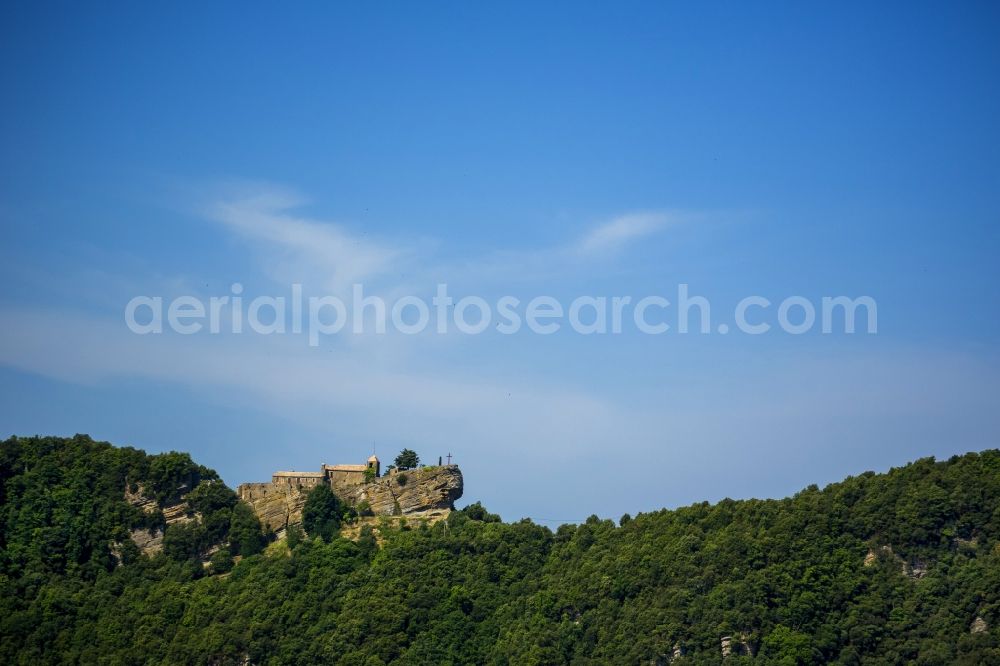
{"points": [[428, 492], [150, 541], [428, 489], [276, 507]]}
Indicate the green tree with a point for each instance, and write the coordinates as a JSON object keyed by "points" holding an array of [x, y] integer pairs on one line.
{"points": [[788, 647], [172, 473], [245, 537], [222, 561], [183, 541], [210, 496], [321, 513], [478, 512], [293, 536], [407, 459]]}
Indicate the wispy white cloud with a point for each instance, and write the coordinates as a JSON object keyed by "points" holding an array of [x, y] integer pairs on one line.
{"points": [[618, 232], [298, 249], [330, 256], [572, 258]]}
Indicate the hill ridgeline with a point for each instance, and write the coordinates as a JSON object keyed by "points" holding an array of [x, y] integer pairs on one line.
{"points": [[110, 555]]}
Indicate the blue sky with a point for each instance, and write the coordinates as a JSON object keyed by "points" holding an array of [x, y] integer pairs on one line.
{"points": [[782, 149]]}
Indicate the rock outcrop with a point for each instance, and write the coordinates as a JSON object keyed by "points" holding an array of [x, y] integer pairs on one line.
{"points": [[424, 490], [428, 492], [913, 570], [276, 506], [739, 646], [874, 554], [916, 570], [150, 541]]}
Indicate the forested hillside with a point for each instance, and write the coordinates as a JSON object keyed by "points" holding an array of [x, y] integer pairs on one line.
{"points": [[880, 568]]}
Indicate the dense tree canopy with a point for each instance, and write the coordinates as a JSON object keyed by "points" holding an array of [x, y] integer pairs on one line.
{"points": [[321, 513], [407, 459], [878, 569]]}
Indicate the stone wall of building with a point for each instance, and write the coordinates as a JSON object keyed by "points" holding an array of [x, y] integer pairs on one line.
{"points": [[344, 484], [277, 505]]}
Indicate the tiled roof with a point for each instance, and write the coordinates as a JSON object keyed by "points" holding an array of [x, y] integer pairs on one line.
{"points": [[346, 468]]}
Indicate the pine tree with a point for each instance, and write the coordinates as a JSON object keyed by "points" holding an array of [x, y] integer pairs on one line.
{"points": [[407, 459]]}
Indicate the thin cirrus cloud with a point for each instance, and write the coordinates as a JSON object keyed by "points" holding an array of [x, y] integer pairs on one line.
{"points": [[329, 256], [299, 249], [613, 235]]}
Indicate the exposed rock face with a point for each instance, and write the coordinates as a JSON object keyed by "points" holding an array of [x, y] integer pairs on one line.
{"points": [[428, 492], [425, 490], [729, 647], [277, 505], [874, 554], [979, 626], [139, 500], [917, 570], [150, 542], [914, 571]]}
